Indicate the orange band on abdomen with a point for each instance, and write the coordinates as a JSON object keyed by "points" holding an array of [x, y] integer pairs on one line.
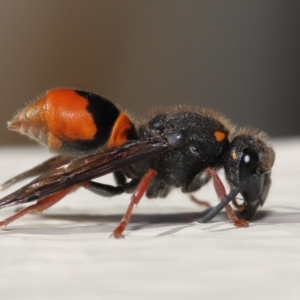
{"points": [[118, 134]]}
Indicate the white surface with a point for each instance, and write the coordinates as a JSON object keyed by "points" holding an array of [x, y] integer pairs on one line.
{"points": [[67, 252]]}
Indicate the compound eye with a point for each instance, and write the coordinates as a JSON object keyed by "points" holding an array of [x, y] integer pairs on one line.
{"points": [[249, 163]]}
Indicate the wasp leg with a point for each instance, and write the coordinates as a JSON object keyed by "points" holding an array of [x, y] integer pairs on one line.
{"points": [[39, 206], [239, 206], [220, 190], [120, 178], [103, 190], [46, 166], [194, 185], [106, 190], [135, 198], [199, 202]]}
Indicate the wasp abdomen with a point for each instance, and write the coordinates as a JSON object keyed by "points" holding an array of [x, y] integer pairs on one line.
{"points": [[73, 121], [31, 121]]}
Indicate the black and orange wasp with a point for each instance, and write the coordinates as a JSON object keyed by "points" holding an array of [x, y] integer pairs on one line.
{"points": [[176, 148]]}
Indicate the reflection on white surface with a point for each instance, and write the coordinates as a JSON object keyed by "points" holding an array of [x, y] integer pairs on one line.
{"points": [[166, 254]]}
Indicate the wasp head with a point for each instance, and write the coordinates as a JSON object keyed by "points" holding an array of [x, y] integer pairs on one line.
{"points": [[249, 153]]}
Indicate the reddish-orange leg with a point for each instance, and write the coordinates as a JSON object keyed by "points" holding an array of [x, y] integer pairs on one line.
{"points": [[220, 190], [39, 206], [239, 206], [200, 202], [135, 198]]}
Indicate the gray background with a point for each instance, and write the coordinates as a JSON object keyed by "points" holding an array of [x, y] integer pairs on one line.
{"points": [[238, 57]]}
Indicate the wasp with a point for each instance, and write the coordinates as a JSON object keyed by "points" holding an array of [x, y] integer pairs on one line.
{"points": [[181, 147]]}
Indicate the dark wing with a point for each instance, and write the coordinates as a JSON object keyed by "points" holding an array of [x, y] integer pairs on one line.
{"points": [[44, 167], [84, 169]]}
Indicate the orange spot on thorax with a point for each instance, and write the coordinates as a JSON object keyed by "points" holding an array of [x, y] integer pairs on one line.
{"points": [[219, 136]]}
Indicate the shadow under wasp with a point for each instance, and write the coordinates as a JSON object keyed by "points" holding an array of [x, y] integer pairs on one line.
{"points": [[177, 148]]}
